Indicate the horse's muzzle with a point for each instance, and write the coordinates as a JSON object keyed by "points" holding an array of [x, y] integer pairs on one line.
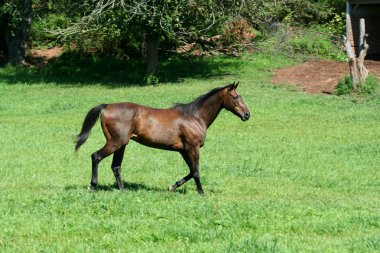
{"points": [[246, 116]]}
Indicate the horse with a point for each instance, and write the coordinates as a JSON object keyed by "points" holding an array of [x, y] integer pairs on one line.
{"points": [[181, 128]]}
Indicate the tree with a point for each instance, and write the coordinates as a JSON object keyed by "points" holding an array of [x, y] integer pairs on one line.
{"points": [[15, 20], [175, 20], [358, 71]]}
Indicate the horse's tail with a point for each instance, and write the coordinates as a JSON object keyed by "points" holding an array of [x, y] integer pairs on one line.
{"points": [[90, 120]]}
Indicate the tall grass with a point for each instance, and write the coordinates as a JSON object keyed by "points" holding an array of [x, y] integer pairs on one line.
{"points": [[302, 175]]}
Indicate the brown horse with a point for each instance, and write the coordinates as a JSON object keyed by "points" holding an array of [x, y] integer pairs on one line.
{"points": [[181, 128]]}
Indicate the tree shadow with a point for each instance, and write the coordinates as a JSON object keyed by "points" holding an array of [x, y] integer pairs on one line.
{"points": [[71, 69]]}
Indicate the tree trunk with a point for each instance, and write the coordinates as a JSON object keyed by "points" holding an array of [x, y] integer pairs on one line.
{"points": [[363, 52], [358, 71], [152, 42], [352, 62], [3, 47], [16, 37]]}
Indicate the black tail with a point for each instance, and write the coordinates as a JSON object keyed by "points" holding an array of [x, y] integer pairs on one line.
{"points": [[90, 120]]}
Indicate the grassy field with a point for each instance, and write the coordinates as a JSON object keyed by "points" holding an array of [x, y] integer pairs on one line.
{"points": [[302, 175]]}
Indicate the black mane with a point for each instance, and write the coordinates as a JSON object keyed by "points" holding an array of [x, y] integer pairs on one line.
{"points": [[191, 107]]}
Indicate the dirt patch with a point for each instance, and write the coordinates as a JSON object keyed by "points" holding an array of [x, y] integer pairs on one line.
{"points": [[318, 76], [39, 57]]}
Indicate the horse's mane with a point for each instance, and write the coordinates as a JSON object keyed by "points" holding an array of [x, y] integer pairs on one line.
{"points": [[191, 107]]}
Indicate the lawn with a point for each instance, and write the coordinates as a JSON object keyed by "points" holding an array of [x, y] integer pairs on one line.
{"points": [[302, 175]]}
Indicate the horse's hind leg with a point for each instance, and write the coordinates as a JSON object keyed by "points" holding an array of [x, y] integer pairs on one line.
{"points": [[96, 157], [116, 166]]}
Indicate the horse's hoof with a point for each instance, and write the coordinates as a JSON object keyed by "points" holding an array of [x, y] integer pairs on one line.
{"points": [[171, 188], [90, 188]]}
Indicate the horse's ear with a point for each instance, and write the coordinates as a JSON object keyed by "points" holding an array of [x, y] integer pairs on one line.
{"points": [[231, 86], [236, 85]]}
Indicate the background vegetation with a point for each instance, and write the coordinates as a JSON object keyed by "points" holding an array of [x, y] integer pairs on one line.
{"points": [[146, 29]]}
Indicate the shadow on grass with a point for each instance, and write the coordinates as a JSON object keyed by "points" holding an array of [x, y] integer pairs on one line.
{"points": [[71, 69], [128, 187]]}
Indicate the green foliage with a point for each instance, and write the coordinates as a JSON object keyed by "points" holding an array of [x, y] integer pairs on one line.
{"points": [[311, 42], [263, 14], [151, 79], [38, 35], [118, 29], [337, 5], [13, 12], [299, 28], [303, 12], [300, 176], [345, 86], [371, 86], [298, 42], [336, 25]]}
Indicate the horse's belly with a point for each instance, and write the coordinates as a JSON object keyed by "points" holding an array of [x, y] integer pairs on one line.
{"points": [[162, 140], [157, 144], [158, 132]]}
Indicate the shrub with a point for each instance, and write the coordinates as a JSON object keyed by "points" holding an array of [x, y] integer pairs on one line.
{"points": [[345, 86], [371, 86], [151, 79]]}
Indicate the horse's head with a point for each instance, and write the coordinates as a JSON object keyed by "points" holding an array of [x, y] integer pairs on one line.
{"points": [[234, 103]]}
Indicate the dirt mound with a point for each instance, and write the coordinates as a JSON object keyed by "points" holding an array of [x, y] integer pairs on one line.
{"points": [[318, 76]]}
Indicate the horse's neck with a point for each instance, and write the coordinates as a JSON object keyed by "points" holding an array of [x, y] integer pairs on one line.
{"points": [[210, 109]]}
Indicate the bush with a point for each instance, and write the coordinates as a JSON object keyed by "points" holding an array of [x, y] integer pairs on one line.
{"points": [[371, 86], [345, 86]]}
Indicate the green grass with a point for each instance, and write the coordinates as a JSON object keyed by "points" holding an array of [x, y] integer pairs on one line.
{"points": [[302, 175]]}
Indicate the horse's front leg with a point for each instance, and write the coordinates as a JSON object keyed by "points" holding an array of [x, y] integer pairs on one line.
{"points": [[180, 182], [191, 158], [194, 158]]}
